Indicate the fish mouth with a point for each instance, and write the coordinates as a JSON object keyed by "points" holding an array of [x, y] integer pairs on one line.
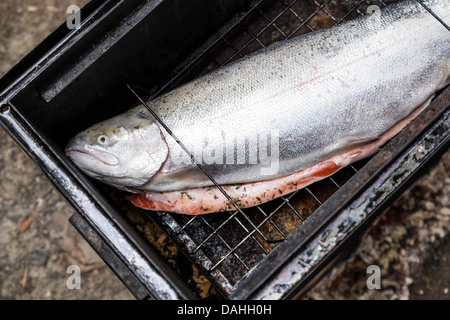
{"points": [[85, 156]]}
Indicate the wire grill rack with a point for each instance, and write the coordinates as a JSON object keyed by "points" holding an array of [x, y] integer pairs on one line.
{"points": [[227, 246]]}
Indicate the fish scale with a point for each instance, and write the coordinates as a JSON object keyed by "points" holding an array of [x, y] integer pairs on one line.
{"points": [[321, 96], [238, 97]]}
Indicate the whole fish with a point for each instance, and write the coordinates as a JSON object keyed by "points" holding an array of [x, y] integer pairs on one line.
{"points": [[276, 120]]}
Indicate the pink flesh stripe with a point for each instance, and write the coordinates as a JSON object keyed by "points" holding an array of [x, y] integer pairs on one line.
{"points": [[209, 199]]}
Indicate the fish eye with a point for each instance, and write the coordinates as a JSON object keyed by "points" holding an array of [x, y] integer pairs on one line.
{"points": [[103, 140]]}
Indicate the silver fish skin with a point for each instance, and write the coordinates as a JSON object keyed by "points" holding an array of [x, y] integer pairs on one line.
{"points": [[308, 99]]}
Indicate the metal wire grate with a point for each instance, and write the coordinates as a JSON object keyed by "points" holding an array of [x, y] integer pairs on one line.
{"points": [[228, 245]]}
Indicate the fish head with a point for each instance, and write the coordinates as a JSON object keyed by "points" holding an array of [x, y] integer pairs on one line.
{"points": [[124, 151]]}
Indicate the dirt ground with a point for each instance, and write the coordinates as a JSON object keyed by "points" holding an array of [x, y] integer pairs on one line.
{"points": [[38, 242], [410, 242]]}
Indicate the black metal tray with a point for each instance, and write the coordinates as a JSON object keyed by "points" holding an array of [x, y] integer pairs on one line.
{"points": [[78, 77]]}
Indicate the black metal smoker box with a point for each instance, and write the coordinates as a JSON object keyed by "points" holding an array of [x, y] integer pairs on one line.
{"points": [[79, 76]]}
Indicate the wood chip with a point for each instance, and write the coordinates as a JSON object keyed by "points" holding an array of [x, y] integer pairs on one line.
{"points": [[32, 8], [25, 277], [24, 223]]}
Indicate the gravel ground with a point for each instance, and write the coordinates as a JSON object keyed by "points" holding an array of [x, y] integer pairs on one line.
{"points": [[37, 239], [409, 242]]}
